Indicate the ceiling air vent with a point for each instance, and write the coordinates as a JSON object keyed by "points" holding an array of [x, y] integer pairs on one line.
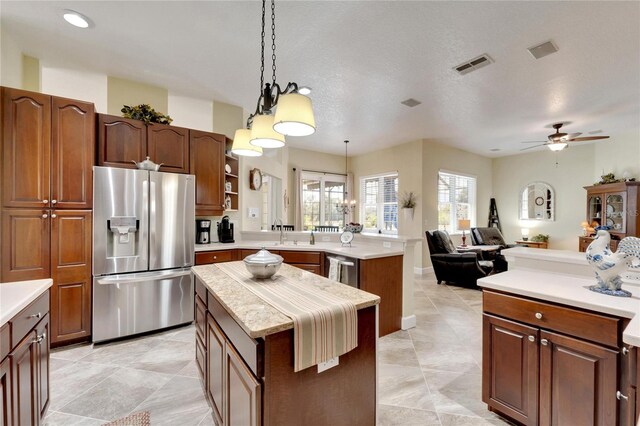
{"points": [[411, 102], [542, 50], [473, 64]]}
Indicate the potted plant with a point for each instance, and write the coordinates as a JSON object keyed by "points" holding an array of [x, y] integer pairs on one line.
{"points": [[540, 238], [408, 201], [145, 113]]}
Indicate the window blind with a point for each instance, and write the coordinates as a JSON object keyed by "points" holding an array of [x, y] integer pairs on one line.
{"points": [[379, 203], [456, 200]]}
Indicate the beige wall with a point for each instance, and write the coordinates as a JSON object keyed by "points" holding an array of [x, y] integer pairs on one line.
{"points": [[10, 61], [75, 84], [617, 155], [31, 73], [190, 112], [227, 118], [406, 159], [573, 171], [127, 92]]}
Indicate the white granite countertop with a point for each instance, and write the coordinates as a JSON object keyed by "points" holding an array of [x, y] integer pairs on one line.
{"points": [[256, 317], [570, 290], [359, 250], [15, 296]]}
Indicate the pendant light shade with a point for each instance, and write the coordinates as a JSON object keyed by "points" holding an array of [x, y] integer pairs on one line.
{"points": [[294, 115], [557, 146], [262, 133], [241, 145]]}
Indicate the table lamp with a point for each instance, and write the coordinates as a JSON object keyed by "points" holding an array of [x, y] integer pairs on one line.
{"points": [[464, 225], [585, 227], [525, 234]]}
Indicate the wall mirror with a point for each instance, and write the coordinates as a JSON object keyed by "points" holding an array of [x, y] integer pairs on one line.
{"points": [[271, 200], [537, 202]]}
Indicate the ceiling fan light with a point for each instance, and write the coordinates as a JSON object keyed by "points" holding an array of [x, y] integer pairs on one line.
{"points": [[557, 146], [241, 145], [262, 133], [294, 115]]}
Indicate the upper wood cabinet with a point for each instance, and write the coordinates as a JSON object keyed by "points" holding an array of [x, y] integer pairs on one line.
{"points": [[26, 141], [207, 163], [169, 146], [73, 146], [49, 149], [121, 141]]}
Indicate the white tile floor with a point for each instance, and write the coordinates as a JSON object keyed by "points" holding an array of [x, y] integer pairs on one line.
{"points": [[430, 375]]}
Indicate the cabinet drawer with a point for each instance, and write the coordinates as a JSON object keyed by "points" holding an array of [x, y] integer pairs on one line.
{"points": [[586, 325], [201, 356], [311, 268], [312, 257], [207, 257], [27, 318], [250, 349], [5, 341], [201, 291], [246, 252], [201, 317]]}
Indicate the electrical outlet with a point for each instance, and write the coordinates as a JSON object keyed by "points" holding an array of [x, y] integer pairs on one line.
{"points": [[325, 239], [386, 244], [323, 366], [253, 212]]}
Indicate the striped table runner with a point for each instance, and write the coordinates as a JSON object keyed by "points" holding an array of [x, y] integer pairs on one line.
{"points": [[324, 326]]}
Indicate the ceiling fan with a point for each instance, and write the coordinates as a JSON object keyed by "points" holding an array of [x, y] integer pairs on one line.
{"points": [[559, 140]]}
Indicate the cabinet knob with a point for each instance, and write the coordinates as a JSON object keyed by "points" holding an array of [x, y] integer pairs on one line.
{"points": [[538, 315], [621, 396], [53, 216], [45, 201], [544, 342], [532, 339], [38, 315], [54, 201], [44, 215], [215, 257], [40, 338], [625, 351]]}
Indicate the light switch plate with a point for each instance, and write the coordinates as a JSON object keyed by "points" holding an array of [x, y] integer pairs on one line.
{"points": [[323, 366], [253, 212], [386, 244]]}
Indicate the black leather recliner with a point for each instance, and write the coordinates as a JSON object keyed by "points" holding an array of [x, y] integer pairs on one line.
{"points": [[451, 266], [493, 237]]}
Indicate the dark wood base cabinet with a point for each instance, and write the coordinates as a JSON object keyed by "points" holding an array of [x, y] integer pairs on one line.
{"points": [[24, 373], [547, 364], [251, 382]]}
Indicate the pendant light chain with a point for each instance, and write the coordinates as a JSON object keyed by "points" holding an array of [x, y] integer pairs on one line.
{"points": [[262, 48], [273, 39]]}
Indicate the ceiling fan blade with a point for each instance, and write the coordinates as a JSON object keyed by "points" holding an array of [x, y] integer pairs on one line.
{"points": [[572, 135], [587, 138], [531, 147], [533, 142]]}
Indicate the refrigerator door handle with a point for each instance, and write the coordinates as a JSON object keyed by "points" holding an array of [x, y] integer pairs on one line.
{"points": [[137, 278]]}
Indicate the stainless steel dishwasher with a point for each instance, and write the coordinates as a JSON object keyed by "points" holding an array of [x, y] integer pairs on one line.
{"points": [[348, 269]]}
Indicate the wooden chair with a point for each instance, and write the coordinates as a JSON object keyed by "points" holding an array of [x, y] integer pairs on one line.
{"points": [[284, 227]]}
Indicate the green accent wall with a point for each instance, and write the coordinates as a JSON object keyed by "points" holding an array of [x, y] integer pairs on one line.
{"points": [[30, 73], [128, 92]]}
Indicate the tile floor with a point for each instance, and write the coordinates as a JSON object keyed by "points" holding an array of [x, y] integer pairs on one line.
{"points": [[430, 375]]}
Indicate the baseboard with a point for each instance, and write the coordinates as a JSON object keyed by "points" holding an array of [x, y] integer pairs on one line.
{"points": [[422, 271], [408, 322]]}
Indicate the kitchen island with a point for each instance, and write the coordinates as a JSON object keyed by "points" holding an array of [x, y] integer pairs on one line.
{"points": [[244, 350]]}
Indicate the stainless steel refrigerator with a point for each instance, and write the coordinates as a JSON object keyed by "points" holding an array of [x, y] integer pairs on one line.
{"points": [[143, 250]]}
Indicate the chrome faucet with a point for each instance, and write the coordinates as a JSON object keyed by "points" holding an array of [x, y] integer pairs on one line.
{"points": [[282, 236]]}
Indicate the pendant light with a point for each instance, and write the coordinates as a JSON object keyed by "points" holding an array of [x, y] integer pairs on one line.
{"points": [[241, 145], [293, 111], [346, 206]]}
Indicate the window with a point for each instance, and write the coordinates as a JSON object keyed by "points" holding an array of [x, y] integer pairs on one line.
{"points": [[456, 200], [379, 203], [320, 193]]}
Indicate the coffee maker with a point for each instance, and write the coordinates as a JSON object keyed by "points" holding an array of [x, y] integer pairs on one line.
{"points": [[225, 230], [203, 231]]}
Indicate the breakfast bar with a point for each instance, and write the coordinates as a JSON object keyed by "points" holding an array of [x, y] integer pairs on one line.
{"points": [[245, 354]]}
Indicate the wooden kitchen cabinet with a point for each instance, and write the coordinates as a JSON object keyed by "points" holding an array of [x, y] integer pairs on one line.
{"points": [[566, 357], [169, 146], [6, 399], [42, 363], [242, 391], [510, 368], [71, 273], [218, 256], [26, 146], [121, 140], [206, 151], [24, 371], [383, 277], [215, 377], [25, 244]]}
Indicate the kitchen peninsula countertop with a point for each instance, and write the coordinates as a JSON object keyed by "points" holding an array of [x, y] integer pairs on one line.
{"points": [[15, 296], [256, 317], [571, 291], [358, 250]]}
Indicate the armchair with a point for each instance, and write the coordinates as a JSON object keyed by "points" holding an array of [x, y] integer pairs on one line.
{"points": [[451, 266], [492, 236]]}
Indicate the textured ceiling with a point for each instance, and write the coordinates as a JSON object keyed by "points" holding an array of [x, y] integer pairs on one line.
{"points": [[363, 58]]}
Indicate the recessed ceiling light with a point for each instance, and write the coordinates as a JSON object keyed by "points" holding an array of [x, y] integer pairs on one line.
{"points": [[76, 19], [304, 90]]}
